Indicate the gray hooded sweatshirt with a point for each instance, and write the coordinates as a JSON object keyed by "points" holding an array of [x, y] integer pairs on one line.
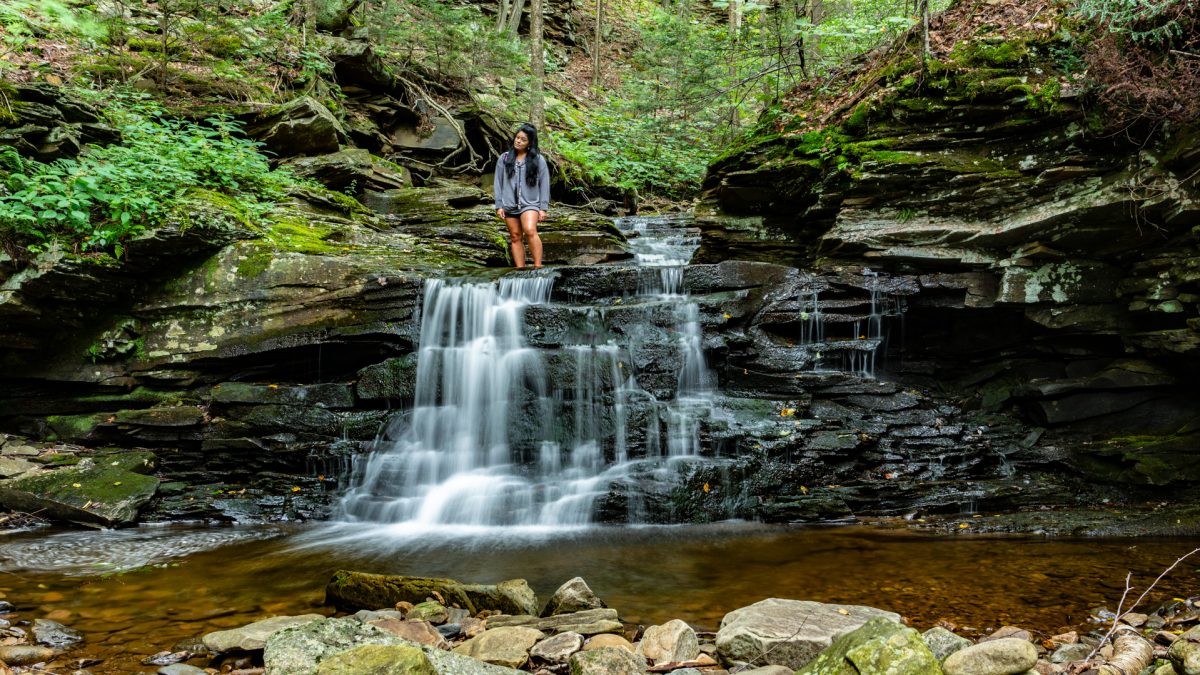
{"points": [[514, 195]]}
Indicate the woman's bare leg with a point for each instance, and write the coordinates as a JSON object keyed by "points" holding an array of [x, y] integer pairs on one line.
{"points": [[529, 221], [515, 243]]}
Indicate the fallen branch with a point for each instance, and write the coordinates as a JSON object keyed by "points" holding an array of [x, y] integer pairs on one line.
{"points": [[675, 665], [1122, 611], [1132, 653]]}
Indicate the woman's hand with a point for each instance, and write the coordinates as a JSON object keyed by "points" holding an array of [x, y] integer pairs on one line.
{"points": [[500, 214], [541, 216]]}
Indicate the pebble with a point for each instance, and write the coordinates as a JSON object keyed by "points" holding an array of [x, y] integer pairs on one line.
{"points": [[24, 655], [450, 630], [6, 607]]}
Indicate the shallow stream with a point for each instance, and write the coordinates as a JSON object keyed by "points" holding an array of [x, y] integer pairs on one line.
{"points": [[137, 592]]}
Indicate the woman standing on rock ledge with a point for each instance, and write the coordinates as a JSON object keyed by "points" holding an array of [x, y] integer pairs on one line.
{"points": [[522, 189]]}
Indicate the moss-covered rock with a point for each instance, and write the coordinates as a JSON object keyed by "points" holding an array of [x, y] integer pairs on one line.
{"points": [[99, 495], [360, 590], [879, 646]]}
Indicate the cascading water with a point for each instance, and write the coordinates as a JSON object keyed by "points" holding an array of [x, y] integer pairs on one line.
{"points": [[494, 439]]}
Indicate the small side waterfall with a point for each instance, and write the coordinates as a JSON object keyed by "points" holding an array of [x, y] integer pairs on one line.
{"points": [[502, 433]]}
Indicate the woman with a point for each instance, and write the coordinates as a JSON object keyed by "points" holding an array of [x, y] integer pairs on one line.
{"points": [[522, 189]]}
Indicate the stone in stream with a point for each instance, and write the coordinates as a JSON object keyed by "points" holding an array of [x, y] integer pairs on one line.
{"points": [[378, 660], [943, 643], [24, 655], [181, 669], [588, 622], [421, 632], [1072, 652], [254, 635], [507, 646], [360, 590], [879, 646], [433, 612], [1006, 656], [54, 634], [672, 641], [789, 632], [607, 661], [556, 650], [1184, 653], [571, 597], [609, 640], [104, 496]]}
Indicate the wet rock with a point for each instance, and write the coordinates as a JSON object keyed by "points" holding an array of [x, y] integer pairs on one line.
{"points": [[254, 635], [166, 658], [672, 641], [573, 596], [421, 632], [104, 496], [1184, 653], [449, 630], [360, 590], [181, 669], [433, 612], [298, 650], [301, 127], [393, 380], [378, 660], [1006, 656], [609, 640], [794, 631], [1071, 652], [11, 466], [557, 649], [943, 643], [6, 607], [54, 634], [588, 622], [879, 646], [1009, 632], [317, 395], [607, 661], [508, 646], [24, 655]]}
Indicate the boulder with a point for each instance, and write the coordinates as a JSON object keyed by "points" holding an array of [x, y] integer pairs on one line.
{"points": [[507, 646], [378, 660], [392, 379], [573, 596], [1072, 652], [318, 395], [556, 650], [607, 661], [24, 655], [351, 170], [879, 646], [300, 649], [588, 622], [1006, 656], [1185, 653], [12, 466], [943, 643], [360, 590], [301, 127], [254, 635], [672, 641], [421, 632], [609, 640], [431, 611], [104, 496], [789, 632], [54, 634]]}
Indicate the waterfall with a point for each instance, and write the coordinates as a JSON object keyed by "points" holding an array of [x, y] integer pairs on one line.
{"points": [[496, 437]]}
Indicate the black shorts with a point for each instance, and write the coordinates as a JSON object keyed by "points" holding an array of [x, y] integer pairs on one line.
{"points": [[517, 213]]}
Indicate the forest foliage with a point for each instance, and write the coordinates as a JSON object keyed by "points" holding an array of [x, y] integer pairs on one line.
{"points": [[646, 95]]}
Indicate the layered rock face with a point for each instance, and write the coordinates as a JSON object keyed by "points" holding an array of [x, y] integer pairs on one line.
{"points": [[1054, 266]]}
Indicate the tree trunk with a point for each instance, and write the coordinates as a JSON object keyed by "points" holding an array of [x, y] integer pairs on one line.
{"points": [[514, 19], [597, 44], [924, 33], [537, 63], [501, 16], [735, 25]]}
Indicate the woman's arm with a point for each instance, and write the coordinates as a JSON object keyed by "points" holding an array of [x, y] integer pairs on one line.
{"points": [[543, 185], [496, 182]]}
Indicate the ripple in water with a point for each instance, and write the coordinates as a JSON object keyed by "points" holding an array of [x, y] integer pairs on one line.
{"points": [[77, 553]]}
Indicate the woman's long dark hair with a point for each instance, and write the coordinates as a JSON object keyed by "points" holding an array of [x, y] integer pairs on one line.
{"points": [[531, 155]]}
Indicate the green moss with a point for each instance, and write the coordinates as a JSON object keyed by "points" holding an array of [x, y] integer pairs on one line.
{"points": [[994, 54], [70, 427], [8, 96], [255, 261], [1046, 98], [154, 46], [856, 123]]}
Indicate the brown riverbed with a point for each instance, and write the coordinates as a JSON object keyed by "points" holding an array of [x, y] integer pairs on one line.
{"points": [[175, 585]]}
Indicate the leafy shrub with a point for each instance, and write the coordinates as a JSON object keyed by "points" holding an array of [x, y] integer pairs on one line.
{"points": [[107, 194]]}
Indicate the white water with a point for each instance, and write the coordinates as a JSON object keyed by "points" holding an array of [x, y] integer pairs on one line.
{"points": [[494, 440]]}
